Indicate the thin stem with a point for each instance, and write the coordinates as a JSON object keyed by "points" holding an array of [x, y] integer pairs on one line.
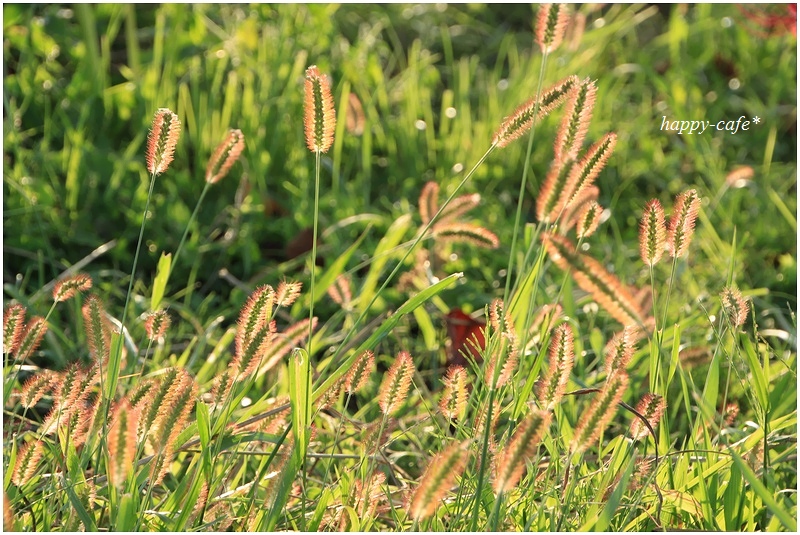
{"points": [[523, 184], [186, 230]]}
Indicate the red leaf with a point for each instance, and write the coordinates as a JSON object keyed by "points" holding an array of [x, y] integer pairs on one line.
{"points": [[466, 337]]}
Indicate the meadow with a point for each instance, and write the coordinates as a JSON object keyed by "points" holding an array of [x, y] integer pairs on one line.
{"points": [[399, 267]]}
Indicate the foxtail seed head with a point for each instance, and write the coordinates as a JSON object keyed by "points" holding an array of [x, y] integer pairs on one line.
{"points": [[735, 306], [681, 224], [651, 406], [562, 358], [31, 337], [594, 278], [225, 155], [652, 233], [522, 119], [162, 141], [357, 377], [454, 395], [28, 459], [600, 412], [589, 219], [574, 125], [156, 324], [13, 327], [511, 462], [66, 288], [620, 348], [437, 480], [551, 26], [394, 388], [320, 117], [122, 443]]}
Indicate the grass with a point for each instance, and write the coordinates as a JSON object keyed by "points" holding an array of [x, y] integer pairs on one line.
{"points": [[216, 446]]}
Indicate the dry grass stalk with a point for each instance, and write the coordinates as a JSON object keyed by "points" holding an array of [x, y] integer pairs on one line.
{"points": [[652, 233], [67, 288], [595, 279], [562, 359], [681, 224], [519, 122], [735, 306], [395, 386], [320, 116], [225, 155], [652, 407], [439, 477], [358, 376], [28, 459], [156, 325], [600, 412], [162, 140], [575, 124], [13, 328], [454, 395], [551, 25], [511, 463], [122, 443]]}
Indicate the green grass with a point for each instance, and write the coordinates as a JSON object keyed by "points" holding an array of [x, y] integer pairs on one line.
{"points": [[80, 89]]}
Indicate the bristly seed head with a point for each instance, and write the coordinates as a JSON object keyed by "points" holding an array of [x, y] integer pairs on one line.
{"points": [[681, 224], [357, 377], [589, 219], [66, 288], [394, 388], [511, 463], [551, 26], [522, 119], [651, 406], [225, 155], [13, 327], [735, 306], [575, 124], [162, 141], [652, 233], [620, 348], [320, 117], [600, 412], [454, 395], [562, 358], [156, 324], [437, 480]]}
